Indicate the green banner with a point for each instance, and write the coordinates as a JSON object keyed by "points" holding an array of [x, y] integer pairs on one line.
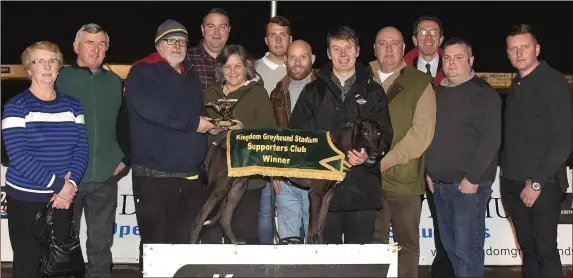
{"points": [[282, 152]]}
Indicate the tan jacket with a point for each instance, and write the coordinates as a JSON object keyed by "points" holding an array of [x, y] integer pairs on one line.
{"points": [[420, 134], [280, 99]]}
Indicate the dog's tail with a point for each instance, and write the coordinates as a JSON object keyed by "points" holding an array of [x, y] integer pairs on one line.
{"points": [[210, 222]]}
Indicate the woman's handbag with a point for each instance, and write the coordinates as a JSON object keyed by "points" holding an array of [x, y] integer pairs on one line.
{"points": [[59, 258]]}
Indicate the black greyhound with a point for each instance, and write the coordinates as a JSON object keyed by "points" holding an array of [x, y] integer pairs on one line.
{"points": [[227, 191]]}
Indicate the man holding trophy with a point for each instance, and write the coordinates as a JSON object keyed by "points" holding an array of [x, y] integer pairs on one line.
{"points": [[168, 141]]}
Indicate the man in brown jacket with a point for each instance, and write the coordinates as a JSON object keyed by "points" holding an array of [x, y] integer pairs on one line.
{"points": [[292, 200], [412, 103]]}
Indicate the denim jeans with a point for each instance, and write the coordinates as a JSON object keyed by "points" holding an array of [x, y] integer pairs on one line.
{"points": [[292, 210], [266, 233], [461, 220]]}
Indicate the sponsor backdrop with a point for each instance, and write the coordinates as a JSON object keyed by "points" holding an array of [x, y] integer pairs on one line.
{"points": [[500, 245]]}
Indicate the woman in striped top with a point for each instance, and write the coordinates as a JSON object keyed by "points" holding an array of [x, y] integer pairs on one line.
{"points": [[47, 147]]}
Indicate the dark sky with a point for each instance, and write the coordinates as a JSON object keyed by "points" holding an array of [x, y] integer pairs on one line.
{"points": [[132, 25]]}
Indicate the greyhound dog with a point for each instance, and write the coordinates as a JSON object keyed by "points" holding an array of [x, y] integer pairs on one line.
{"points": [[227, 191]]}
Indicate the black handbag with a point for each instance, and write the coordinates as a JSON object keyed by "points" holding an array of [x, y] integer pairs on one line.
{"points": [[59, 257]]}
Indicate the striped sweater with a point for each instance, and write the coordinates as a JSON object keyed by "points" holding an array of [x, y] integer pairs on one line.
{"points": [[44, 140]]}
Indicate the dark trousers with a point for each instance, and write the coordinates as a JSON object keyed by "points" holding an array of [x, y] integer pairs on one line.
{"points": [[28, 251], [356, 226], [462, 223], [245, 220], [535, 227], [403, 213], [441, 265], [98, 201], [165, 209]]}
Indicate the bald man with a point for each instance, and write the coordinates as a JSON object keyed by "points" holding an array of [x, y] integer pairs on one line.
{"points": [[292, 200], [412, 103]]}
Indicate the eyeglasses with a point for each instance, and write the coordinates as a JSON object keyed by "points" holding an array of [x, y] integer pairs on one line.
{"points": [[425, 32], [52, 62], [174, 41]]}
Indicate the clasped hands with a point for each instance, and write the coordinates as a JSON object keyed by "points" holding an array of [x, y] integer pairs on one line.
{"points": [[64, 198]]}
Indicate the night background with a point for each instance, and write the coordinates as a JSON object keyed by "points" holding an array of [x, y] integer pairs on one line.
{"points": [[132, 25]]}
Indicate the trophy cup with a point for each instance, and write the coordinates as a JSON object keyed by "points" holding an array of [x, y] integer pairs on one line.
{"points": [[225, 109]]}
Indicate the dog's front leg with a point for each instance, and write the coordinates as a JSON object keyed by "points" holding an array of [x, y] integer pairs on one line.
{"points": [[235, 195], [315, 199], [322, 216], [221, 188]]}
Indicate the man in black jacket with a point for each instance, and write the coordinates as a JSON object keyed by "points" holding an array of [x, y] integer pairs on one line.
{"points": [[344, 91], [538, 138]]}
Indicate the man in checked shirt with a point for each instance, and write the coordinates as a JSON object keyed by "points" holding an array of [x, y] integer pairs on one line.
{"points": [[215, 29]]}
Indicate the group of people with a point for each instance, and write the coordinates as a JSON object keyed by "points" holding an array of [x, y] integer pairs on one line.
{"points": [[441, 135]]}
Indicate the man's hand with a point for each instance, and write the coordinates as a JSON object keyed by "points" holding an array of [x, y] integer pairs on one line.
{"points": [[356, 158], [528, 195], [467, 187], [277, 185], [119, 168], [430, 183], [204, 124], [383, 166], [238, 126]]}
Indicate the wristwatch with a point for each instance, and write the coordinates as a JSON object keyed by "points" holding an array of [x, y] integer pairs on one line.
{"points": [[536, 186]]}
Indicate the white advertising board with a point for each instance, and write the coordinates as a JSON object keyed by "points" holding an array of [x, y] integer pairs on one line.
{"points": [[500, 245]]}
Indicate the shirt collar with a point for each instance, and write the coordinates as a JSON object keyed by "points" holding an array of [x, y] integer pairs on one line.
{"points": [[272, 65], [433, 64]]}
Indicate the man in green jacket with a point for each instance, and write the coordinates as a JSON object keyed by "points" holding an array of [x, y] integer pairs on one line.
{"points": [[99, 91], [412, 104]]}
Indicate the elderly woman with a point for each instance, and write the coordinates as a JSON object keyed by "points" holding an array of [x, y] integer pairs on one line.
{"points": [[237, 82], [47, 147]]}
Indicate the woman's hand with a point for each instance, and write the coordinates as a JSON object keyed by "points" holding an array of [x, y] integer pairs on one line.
{"points": [[238, 126], [69, 190], [60, 203]]}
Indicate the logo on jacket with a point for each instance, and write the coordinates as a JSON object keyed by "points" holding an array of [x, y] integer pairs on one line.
{"points": [[359, 99]]}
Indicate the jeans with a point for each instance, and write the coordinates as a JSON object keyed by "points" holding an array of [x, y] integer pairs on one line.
{"points": [[98, 201], [535, 227], [461, 219], [292, 210], [265, 230], [441, 266]]}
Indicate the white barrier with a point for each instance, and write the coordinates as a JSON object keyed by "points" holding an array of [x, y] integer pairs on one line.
{"points": [[225, 260], [500, 245]]}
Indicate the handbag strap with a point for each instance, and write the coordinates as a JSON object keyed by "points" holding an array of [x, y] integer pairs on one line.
{"points": [[48, 225], [42, 214]]}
